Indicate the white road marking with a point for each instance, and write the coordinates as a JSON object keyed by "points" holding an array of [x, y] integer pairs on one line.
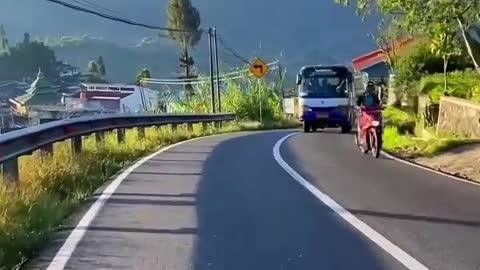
{"points": [[430, 169], [65, 253], [389, 247]]}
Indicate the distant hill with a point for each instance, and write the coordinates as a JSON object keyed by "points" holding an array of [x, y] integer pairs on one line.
{"points": [[304, 32]]}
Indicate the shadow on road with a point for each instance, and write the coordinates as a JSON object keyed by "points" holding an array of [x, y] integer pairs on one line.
{"points": [[439, 220], [252, 215]]}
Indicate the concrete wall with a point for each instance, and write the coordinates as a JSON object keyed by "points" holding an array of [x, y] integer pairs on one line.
{"points": [[459, 116]]}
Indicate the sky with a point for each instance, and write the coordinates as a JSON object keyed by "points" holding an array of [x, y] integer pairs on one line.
{"points": [[295, 27]]}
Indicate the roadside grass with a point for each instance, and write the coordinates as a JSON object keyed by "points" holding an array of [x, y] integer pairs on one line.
{"points": [[403, 121], [399, 137], [410, 147], [52, 186]]}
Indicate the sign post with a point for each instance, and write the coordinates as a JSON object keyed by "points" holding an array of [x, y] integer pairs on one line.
{"points": [[259, 68]]}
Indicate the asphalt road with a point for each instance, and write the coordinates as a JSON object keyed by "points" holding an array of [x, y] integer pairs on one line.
{"points": [[225, 203]]}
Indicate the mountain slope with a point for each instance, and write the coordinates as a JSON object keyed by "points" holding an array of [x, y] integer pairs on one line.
{"points": [[305, 32]]}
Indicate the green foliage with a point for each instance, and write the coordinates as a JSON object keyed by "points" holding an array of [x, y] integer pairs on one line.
{"points": [[26, 58], [250, 99], [461, 84], [425, 17], [101, 67], [419, 61], [408, 146], [143, 74], [36, 208], [401, 120], [185, 17], [4, 47], [93, 67]]}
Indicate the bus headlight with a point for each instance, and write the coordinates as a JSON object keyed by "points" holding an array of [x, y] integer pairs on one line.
{"points": [[306, 108]]}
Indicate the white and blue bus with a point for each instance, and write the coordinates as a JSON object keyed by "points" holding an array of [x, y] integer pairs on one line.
{"points": [[325, 97]]}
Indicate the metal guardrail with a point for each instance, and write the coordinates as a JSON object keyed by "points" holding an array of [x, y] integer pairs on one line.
{"points": [[24, 141]]}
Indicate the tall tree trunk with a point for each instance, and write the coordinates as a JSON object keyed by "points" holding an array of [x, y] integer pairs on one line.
{"points": [[188, 87], [467, 39], [187, 66], [445, 65]]}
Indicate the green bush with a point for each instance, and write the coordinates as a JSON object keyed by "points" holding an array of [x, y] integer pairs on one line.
{"points": [[418, 61], [401, 120], [248, 98], [461, 84]]}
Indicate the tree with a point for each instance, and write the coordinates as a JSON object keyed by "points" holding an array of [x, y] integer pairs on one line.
{"points": [[387, 37], [143, 74], [25, 59], [101, 67], [444, 45], [185, 18], [4, 47], [26, 39], [424, 16], [93, 67]]}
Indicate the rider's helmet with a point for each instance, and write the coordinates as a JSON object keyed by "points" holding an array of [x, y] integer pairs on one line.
{"points": [[370, 87]]}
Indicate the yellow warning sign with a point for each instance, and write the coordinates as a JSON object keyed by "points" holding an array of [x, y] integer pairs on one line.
{"points": [[258, 68]]}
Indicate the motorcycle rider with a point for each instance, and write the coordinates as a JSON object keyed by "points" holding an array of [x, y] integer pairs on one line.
{"points": [[369, 99]]}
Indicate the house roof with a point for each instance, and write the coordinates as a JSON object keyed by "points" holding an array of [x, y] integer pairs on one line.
{"points": [[377, 56], [41, 92]]}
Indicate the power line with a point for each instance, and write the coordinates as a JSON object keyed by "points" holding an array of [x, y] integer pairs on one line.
{"points": [[202, 80], [224, 76], [118, 19], [95, 6], [228, 48]]}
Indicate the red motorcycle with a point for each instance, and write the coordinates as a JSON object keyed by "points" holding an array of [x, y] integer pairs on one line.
{"points": [[369, 121]]}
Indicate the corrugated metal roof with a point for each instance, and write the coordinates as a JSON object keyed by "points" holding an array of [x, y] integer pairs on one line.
{"points": [[377, 56]]}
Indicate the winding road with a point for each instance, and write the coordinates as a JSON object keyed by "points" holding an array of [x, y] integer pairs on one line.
{"points": [[272, 201]]}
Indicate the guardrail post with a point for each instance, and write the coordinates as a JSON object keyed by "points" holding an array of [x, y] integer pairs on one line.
{"points": [[190, 127], [120, 135], [204, 126], [10, 169], [47, 149], [141, 132], [76, 143], [174, 127], [100, 137]]}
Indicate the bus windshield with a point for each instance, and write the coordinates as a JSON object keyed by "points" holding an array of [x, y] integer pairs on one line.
{"points": [[324, 87]]}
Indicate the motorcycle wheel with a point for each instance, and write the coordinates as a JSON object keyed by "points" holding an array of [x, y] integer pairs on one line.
{"points": [[375, 143], [358, 144]]}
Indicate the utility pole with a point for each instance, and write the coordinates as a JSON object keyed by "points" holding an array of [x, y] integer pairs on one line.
{"points": [[217, 70], [210, 53]]}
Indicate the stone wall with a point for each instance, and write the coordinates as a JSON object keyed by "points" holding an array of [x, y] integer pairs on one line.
{"points": [[459, 116]]}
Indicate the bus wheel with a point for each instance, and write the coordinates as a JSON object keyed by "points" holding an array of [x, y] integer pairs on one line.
{"points": [[346, 128], [306, 126]]}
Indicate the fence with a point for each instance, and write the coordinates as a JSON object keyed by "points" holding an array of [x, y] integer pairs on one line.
{"points": [[459, 116], [23, 142]]}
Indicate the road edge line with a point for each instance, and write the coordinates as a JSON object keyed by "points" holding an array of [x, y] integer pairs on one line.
{"points": [[426, 168], [64, 254], [385, 244]]}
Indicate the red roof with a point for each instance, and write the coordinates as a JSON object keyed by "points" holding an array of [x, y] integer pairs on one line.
{"points": [[368, 60], [375, 57]]}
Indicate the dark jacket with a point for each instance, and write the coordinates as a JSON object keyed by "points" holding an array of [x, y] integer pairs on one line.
{"points": [[361, 99]]}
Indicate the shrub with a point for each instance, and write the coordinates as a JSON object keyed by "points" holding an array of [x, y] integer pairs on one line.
{"points": [[401, 120], [461, 84], [419, 61]]}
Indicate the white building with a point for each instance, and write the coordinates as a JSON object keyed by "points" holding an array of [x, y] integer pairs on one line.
{"points": [[115, 97]]}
